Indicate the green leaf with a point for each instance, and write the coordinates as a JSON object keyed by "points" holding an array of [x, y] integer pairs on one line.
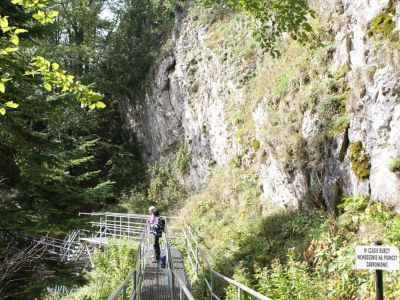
{"points": [[2, 111], [39, 16], [9, 50], [51, 16], [2, 87], [100, 104], [47, 86], [11, 104], [14, 39], [19, 30], [3, 22], [55, 66]]}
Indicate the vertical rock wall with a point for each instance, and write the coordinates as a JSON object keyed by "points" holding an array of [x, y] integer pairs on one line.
{"points": [[195, 88]]}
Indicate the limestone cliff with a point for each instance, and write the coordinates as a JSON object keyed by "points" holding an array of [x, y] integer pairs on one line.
{"points": [[315, 124]]}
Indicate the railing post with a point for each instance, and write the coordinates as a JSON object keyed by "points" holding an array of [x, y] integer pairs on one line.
{"points": [[101, 229], [171, 283], [120, 227], [239, 293], [129, 228], [124, 293], [212, 284], [197, 261], [134, 284]]}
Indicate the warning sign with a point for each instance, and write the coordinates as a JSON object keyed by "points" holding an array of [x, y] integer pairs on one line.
{"points": [[377, 257]]}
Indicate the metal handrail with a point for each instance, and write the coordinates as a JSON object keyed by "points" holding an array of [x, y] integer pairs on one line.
{"points": [[121, 228], [197, 259], [136, 274], [135, 277], [194, 252], [183, 290]]}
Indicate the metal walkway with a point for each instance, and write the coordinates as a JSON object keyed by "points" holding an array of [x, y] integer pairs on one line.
{"points": [[147, 280], [155, 284]]}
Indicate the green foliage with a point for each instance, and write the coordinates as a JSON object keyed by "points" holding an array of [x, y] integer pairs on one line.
{"points": [[133, 46], [112, 264], [132, 201], [288, 255], [54, 78], [292, 281], [274, 18], [338, 125], [57, 159], [383, 27], [182, 160], [49, 182], [394, 165], [242, 275], [330, 258], [282, 85], [360, 161], [165, 189]]}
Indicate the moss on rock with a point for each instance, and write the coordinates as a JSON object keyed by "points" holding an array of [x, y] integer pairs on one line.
{"points": [[360, 160], [383, 27], [256, 145]]}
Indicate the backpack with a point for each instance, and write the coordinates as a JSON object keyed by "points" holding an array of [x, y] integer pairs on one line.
{"points": [[158, 226], [162, 224]]}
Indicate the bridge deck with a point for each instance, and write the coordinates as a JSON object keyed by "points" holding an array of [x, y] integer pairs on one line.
{"points": [[155, 283]]}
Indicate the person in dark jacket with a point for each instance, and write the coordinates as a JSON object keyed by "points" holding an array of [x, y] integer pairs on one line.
{"points": [[157, 230]]}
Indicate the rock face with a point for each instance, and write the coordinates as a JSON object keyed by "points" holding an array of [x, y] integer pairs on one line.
{"points": [[197, 90]]}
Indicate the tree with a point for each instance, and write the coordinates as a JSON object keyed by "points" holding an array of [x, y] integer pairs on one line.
{"points": [[48, 167], [54, 78], [46, 143], [274, 17]]}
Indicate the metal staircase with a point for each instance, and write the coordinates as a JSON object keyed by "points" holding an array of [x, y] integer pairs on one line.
{"points": [[176, 231], [78, 246]]}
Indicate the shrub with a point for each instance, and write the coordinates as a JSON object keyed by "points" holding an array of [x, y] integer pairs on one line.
{"points": [[394, 165], [182, 160], [111, 268]]}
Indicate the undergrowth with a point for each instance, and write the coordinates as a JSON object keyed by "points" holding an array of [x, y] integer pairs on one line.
{"points": [[295, 255], [112, 265]]}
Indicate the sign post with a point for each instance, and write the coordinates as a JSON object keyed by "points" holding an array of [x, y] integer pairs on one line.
{"points": [[379, 279], [377, 258]]}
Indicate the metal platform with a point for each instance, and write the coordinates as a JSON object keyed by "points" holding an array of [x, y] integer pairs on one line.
{"points": [[155, 283]]}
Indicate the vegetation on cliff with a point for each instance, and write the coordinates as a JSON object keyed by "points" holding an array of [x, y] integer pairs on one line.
{"points": [[289, 254]]}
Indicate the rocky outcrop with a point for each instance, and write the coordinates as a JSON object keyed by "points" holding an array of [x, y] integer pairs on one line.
{"points": [[197, 88]]}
